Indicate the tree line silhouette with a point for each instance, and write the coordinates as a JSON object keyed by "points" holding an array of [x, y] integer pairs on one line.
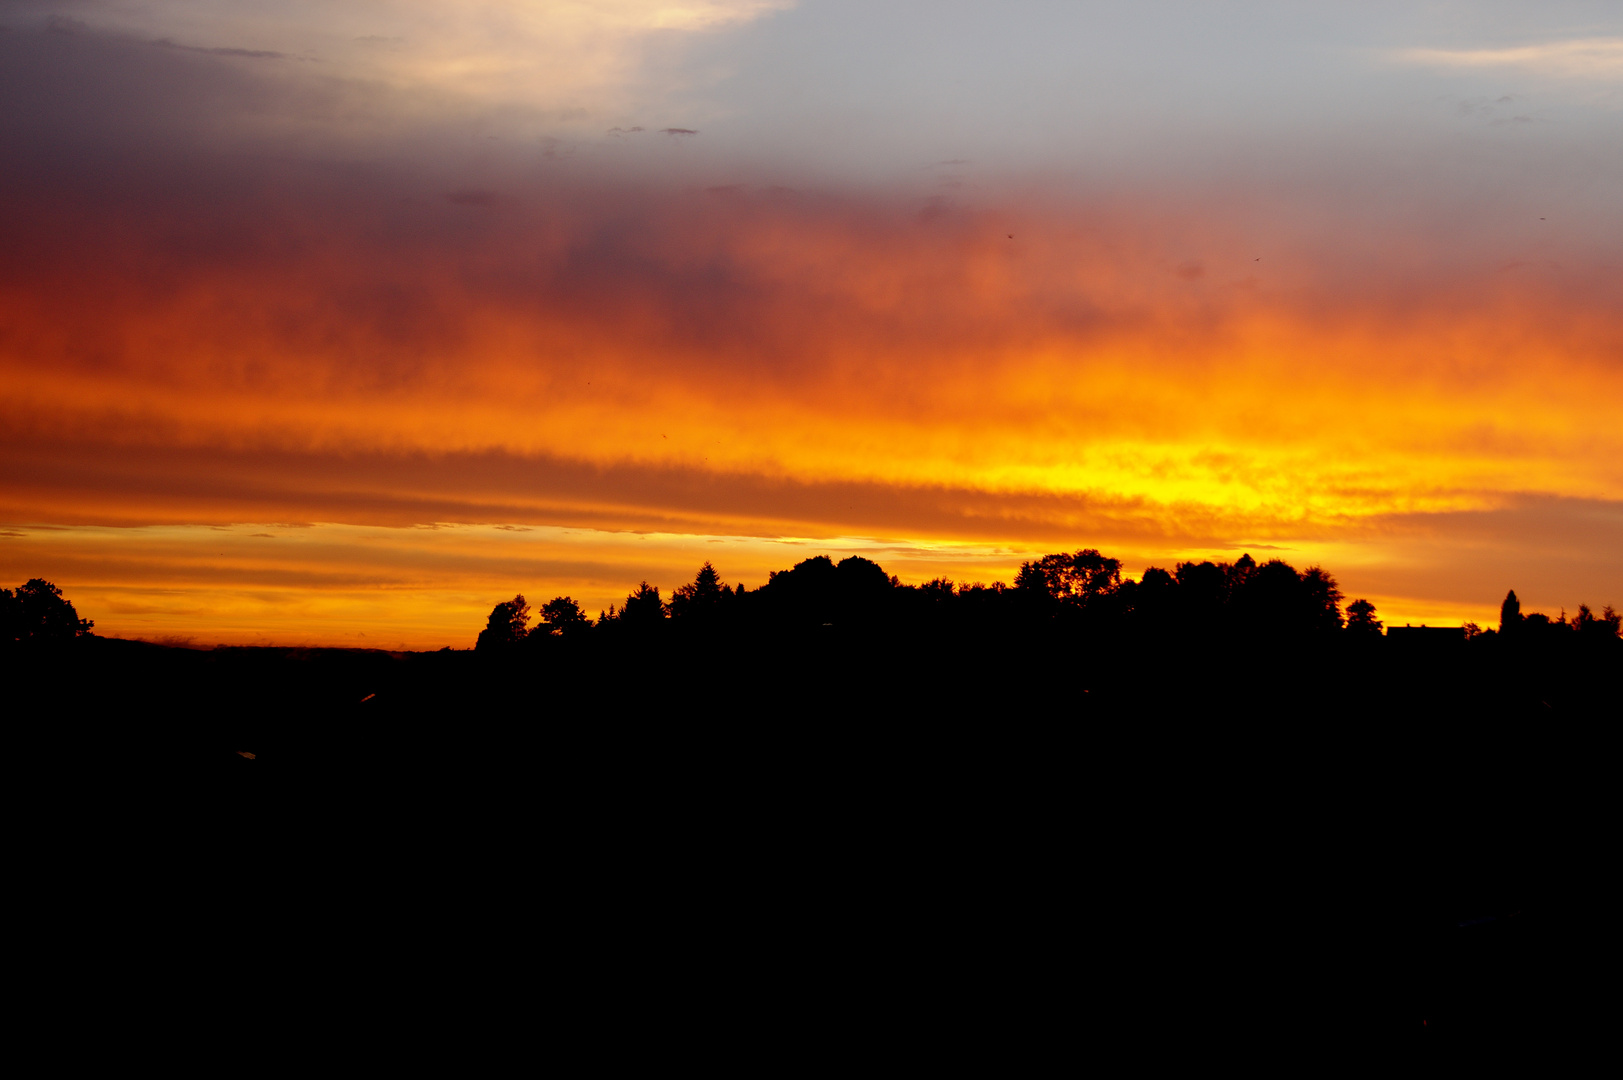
{"points": [[1231, 755], [1225, 758], [1082, 592]]}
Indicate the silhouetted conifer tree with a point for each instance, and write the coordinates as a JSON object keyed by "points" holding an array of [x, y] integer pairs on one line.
{"points": [[643, 607], [1609, 624], [702, 599], [1510, 614]]}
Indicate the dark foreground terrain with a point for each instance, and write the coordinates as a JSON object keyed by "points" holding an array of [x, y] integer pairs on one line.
{"points": [[1003, 839]]}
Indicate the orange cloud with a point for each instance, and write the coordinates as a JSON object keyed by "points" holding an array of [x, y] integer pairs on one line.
{"points": [[831, 343], [763, 364]]}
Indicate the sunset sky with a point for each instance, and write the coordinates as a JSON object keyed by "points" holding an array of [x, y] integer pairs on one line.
{"points": [[339, 323]]}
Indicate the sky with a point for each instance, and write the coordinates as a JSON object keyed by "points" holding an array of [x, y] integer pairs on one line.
{"points": [[338, 324]]}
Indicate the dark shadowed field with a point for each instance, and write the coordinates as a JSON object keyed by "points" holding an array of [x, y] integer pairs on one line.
{"points": [[1032, 832]]}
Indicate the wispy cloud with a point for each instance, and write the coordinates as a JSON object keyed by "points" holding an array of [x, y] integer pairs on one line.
{"points": [[527, 54], [1592, 58], [252, 54]]}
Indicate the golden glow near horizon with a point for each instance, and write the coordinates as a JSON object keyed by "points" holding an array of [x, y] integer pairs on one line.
{"points": [[484, 324], [415, 587], [423, 587]]}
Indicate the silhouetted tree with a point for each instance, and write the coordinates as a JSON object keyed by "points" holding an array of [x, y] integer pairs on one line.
{"points": [[561, 615], [37, 611], [862, 592], [815, 573], [1202, 589], [1237, 573], [1156, 578], [508, 624], [1076, 578], [1268, 599], [1321, 600], [11, 617], [643, 607], [1609, 624], [1510, 614], [863, 586], [702, 599], [1152, 601], [1041, 577], [863, 576], [803, 594], [1361, 618], [983, 605]]}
